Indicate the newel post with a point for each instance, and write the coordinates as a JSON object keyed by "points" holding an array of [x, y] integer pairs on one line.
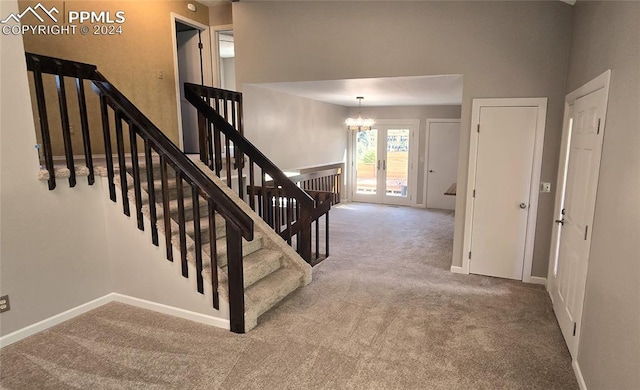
{"points": [[236, 278], [304, 237]]}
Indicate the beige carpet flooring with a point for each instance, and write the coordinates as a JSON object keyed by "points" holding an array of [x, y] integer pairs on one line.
{"points": [[383, 312]]}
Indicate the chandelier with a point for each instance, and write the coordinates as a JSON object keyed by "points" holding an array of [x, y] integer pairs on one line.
{"points": [[359, 123]]}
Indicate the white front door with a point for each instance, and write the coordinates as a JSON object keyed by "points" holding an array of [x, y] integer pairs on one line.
{"points": [[383, 171], [442, 162], [504, 165], [582, 166]]}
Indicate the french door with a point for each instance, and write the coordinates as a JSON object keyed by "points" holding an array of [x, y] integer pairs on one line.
{"points": [[382, 164]]}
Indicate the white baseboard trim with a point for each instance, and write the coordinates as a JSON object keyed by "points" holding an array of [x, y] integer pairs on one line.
{"points": [[576, 370], [537, 280], [53, 321], [457, 270], [112, 297], [172, 311]]}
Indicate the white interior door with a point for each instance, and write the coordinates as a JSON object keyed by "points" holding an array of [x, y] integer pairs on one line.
{"points": [[504, 163], [442, 163], [584, 138], [383, 171]]}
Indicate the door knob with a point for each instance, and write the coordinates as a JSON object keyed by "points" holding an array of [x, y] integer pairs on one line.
{"points": [[523, 205], [430, 170], [560, 221]]}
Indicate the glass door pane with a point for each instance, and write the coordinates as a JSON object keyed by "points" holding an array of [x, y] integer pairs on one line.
{"points": [[396, 166], [366, 160]]}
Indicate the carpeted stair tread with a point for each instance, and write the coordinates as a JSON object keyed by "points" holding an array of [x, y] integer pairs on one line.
{"points": [[256, 266], [248, 247], [204, 228], [259, 264], [271, 289]]}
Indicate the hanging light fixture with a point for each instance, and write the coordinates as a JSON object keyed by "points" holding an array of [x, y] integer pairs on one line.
{"points": [[359, 123]]}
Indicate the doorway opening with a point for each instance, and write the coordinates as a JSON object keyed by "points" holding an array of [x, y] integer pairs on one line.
{"points": [[226, 59], [192, 64], [383, 171]]}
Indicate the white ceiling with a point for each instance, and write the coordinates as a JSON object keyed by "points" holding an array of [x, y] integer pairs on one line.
{"points": [[384, 91]]}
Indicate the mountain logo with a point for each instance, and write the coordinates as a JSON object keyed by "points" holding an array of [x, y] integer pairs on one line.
{"points": [[34, 11]]}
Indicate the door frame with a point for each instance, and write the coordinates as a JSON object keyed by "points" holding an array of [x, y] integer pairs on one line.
{"points": [[414, 138], [206, 62], [477, 104], [215, 57], [426, 151], [600, 82]]}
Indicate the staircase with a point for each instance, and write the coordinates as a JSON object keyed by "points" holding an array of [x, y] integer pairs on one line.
{"points": [[198, 217], [270, 273]]}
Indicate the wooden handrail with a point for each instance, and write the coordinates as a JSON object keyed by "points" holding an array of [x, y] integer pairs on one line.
{"points": [[228, 208], [286, 203], [193, 93], [140, 128]]}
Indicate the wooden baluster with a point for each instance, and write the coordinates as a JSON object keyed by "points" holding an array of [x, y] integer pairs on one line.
{"points": [[166, 207], [326, 234], [276, 210], [217, 142], [122, 165], [135, 172], [202, 138], [195, 195], [210, 132], [44, 126], [317, 229], [252, 183], [66, 129], [214, 254], [240, 115], [108, 153], [181, 224], [238, 157], [263, 190], [84, 124], [236, 278], [289, 217], [304, 237], [153, 216]]}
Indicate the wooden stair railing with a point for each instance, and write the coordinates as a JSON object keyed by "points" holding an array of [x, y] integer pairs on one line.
{"points": [[288, 209], [132, 127]]}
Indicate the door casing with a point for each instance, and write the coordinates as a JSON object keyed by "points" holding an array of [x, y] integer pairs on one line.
{"points": [[541, 104]]}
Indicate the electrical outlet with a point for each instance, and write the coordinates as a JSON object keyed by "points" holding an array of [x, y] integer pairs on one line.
{"points": [[4, 303], [545, 187]]}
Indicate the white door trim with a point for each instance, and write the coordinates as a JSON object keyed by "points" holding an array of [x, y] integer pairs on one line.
{"points": [[206, 62], [541, 104], [426, 151]]}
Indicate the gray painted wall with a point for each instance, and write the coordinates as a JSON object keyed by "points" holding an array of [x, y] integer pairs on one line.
{"points": [[503, 49], [606, 35], [292, 131], [53, 252]]}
